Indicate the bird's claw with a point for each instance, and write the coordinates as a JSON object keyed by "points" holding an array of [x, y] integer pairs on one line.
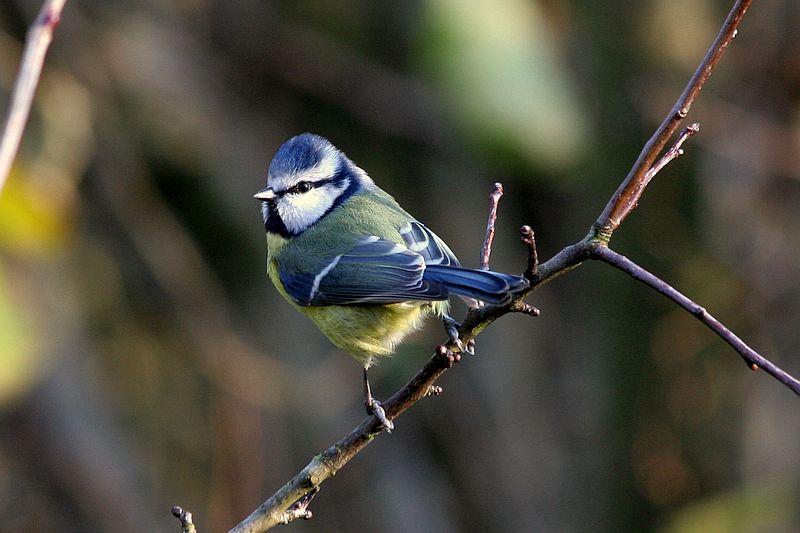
{"points": [[375, 408], [470, 349], [447, 356], [451, 327]]}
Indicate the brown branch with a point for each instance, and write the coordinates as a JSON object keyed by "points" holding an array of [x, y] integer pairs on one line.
{"points": [[593, 246], [752, 358], [37, 41], [625, 199], [630, 190]]}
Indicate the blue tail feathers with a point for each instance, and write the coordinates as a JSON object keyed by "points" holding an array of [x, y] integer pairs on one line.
{"points": [[484, 285]]}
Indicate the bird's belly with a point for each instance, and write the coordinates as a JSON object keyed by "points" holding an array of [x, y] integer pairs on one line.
{"points": [[368, 331]]}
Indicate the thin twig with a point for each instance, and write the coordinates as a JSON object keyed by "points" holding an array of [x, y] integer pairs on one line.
{"points": [[752, 358], [529, 239], [187, 526], [37, 41], [629, 191], [299, 509], [673, 153], [494, 200]]}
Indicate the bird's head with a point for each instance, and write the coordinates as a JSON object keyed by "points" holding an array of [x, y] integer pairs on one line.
{"points": [[307, 179]]}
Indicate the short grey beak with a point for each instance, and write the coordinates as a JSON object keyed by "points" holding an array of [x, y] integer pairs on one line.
{"points": [[265, 194]]}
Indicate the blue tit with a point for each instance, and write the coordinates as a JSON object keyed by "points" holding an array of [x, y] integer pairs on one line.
{"points": [[344, 253]]}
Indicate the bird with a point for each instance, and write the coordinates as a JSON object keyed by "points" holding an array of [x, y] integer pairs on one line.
{"points": [[344, 253]]}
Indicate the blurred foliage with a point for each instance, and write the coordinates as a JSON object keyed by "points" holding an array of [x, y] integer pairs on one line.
{"points": [[145, 360], [757, 508], [498, 66], [19, 360]]}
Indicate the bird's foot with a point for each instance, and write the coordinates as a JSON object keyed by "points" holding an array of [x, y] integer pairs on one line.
{"points": [[447, 356], [375, 408], [451, 327], [471, 347]]}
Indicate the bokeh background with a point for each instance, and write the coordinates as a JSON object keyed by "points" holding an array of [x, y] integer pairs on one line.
{"points": [[145, 360]]}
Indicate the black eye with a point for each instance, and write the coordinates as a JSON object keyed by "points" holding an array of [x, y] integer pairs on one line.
{"points": [[304, 186]]}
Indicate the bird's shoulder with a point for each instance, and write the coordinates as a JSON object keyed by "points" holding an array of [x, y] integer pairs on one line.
{"points": [[370, 213], [366, 215]]}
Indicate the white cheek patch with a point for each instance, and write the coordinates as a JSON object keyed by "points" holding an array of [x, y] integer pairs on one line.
{"points": [[301, 211]]}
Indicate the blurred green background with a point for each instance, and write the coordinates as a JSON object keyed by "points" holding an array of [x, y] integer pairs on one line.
{"points": [[146, 361]]}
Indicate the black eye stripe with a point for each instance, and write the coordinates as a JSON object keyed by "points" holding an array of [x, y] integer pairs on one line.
{"points": [[305, 186]]}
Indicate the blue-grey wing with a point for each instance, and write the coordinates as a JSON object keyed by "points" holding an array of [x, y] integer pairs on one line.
{"points": [[423, 241], [374, 271]]}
